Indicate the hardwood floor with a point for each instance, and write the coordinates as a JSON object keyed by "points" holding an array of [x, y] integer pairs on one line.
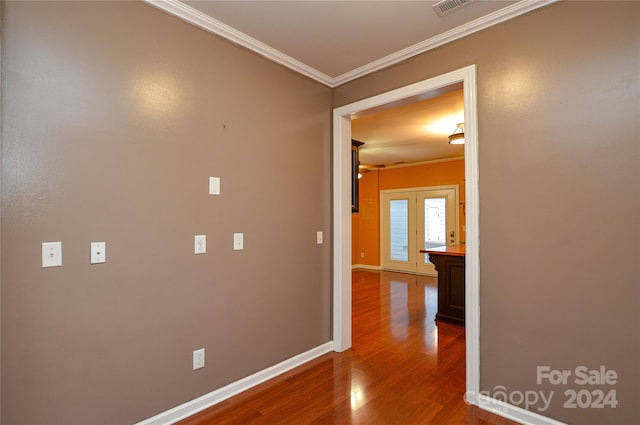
{"points": [[403, 368]]}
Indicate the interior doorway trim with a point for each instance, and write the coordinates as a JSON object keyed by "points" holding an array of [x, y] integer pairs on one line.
{"points": [[342, 213]]}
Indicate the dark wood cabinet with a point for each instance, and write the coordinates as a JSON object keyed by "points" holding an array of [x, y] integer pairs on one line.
{"points": [[449, 263]]}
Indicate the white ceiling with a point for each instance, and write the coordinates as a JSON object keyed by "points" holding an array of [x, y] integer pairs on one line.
{"points": [[334, 42], [412, 132], [337, 41], [335, 37]]}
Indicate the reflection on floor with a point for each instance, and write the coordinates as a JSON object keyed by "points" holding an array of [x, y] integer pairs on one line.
{"points": [[404, 368]]}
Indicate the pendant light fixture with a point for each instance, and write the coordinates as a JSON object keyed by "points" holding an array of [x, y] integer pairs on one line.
{"points": [[457, 138]]}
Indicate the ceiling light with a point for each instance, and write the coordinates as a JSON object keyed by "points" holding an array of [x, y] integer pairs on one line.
{"points": [[457, 138]]}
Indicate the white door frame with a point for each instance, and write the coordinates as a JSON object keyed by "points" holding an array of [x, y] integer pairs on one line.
{"points": [[342, 214]]}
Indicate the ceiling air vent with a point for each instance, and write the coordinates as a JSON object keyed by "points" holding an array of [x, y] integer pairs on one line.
{"points": [[445, 7]]}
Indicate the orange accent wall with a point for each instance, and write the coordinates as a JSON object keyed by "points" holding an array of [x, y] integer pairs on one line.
{"points": [[366, 223]]}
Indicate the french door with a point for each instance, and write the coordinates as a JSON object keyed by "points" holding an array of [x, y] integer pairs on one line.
{"points": [[415, 219]]}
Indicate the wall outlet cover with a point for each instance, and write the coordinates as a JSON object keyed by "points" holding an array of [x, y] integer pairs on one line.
{"points": [[98, 252], [214, 185], [238, 241], [200, 244], [198, 359], [51, 254]]}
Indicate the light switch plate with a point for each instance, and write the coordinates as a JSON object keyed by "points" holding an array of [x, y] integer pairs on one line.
{"points": [[98, 252], [319, 238], [200, 244], [238, 241], [51, 254], [214, 185]]}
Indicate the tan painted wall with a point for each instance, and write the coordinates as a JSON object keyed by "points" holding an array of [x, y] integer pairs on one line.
{"points": [[558, 108], [83, 160], [114, 115], [1, 179]]}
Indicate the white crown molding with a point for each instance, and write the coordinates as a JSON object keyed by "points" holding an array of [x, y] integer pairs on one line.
{"points": [[206, 22], [414, 164], [476, 25]]}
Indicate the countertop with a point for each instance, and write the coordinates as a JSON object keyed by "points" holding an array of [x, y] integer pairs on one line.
{"points": [[454, 250]]}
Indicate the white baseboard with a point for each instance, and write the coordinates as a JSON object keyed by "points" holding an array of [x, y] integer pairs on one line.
{"points": [[517, 414], [194, 406], [365, 266]]}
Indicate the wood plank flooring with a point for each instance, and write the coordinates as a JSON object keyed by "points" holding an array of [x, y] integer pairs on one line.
{"points": [[403, 368]]}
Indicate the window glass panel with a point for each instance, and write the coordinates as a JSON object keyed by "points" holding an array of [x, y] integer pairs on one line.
{"points": [[399, 229], [435, 224]]}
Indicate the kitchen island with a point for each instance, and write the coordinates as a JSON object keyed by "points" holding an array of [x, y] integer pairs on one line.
{"points": [[449, 263]]}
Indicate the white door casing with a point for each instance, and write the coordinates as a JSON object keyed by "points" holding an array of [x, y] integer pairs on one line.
{"points": [[342, 213]]}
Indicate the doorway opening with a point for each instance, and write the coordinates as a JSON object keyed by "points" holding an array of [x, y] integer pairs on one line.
{"points": [[342, 211]]}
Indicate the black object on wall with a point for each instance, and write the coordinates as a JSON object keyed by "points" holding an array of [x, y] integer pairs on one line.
{"points": [[355, 183]]}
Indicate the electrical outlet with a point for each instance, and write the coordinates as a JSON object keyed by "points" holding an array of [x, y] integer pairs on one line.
{"points": [[98, 252], [200, 244], [198, 359], [362, 255], [214, 185], [51, 254], [238, 241]]}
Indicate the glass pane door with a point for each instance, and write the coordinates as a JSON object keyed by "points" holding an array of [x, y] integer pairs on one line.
{"points": [[435, 224], [399, 229], [414, 220], [398, 238]]}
